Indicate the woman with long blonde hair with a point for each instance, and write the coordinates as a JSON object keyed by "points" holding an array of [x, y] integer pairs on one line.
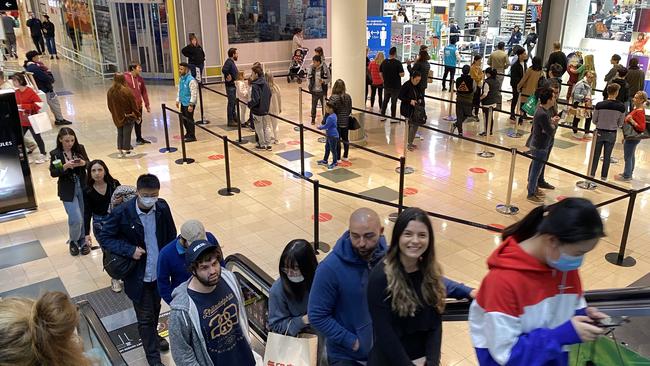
{"points": [[377, 86], [276, 104], [40, 332], [406, 296], [588, 65]]}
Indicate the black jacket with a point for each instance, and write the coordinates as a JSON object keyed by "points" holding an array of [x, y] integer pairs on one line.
{"points": [[342, 108], [516, 73], [66, 182], [44, 80], [623, 92], [493, 94], [195, 55], [408, 92], [123, 231], [423, 68], [557, 57], [48, 29], [260, 97]]}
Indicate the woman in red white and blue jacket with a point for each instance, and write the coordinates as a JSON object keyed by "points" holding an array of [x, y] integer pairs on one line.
{"points": [[531, 305]]}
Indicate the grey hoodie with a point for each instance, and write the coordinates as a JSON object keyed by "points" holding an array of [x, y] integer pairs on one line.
{"points": [[185, 335]]}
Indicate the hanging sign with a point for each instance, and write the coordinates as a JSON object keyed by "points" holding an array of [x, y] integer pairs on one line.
{"points": [[378, 35], [8, 5]]}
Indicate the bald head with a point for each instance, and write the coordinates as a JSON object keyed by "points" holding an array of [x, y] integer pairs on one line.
{"points": [[365, 231]]}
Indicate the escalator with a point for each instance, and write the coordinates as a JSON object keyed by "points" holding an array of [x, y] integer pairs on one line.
{"points": [[97, 343]]}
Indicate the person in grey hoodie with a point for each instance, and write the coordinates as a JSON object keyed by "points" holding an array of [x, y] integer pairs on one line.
{"points": [[259, 105], [207, 323]]}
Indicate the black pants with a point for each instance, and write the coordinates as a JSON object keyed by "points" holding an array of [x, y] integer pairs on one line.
{"points": [[315, 98], [391, 94], [39, 140], [376, 89], [488, 119], [39, 43], [514, 103], [576, 121], [343, 363], [449, 70], [188, 122], [477, 101], [605, 141], [147, 311], [138, 129], [231, 112], [463, 110], [344, 138]]}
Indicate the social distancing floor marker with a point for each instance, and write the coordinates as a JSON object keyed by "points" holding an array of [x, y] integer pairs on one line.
{"points": [[262, 183], [345, 164], [323, 217], [409, 191], [293, 142], [478, 170], [560, 198], [215, 157]]}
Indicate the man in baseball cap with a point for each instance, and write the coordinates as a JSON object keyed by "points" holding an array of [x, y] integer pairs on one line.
{"points": [[171, 260], [207, 322]]}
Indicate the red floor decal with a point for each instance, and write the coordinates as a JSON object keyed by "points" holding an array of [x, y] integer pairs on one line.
{"points": [[344, 164], [497, 226], [323, 217], [409, 191], [262, 183], [478, 170], [560, 198], [176, 137], [215, 157], [293, 142]]}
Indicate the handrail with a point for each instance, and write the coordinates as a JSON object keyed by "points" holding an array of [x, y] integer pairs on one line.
{"points": [[86, 310], [245, 262]]}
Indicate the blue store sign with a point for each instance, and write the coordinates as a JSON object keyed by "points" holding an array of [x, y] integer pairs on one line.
{"points": [[378, 35]]}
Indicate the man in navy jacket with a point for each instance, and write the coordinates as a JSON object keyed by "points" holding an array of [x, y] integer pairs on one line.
{"points": [[139, 229]]}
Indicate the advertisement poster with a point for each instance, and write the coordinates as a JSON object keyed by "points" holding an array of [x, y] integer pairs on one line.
{"points": [[378, 35], [639, 45]]}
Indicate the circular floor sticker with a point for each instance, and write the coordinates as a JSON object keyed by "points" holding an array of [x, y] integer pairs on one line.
{"points": [[215, 157], [293, 142], [478, 170], [262, 183], [409, 191], [323, 217], [344, 164], [176, 137], [560, 198]]}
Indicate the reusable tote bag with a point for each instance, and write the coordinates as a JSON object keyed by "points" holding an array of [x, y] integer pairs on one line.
{"points": [[294, 351], [530, 106], [40, 122]]}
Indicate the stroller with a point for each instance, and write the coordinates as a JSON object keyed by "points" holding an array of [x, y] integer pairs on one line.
{"points": [[297, 66]]}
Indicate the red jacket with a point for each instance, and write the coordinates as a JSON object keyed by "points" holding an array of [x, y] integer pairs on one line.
{"points": [[139, 90], [374, 73], [27, 100]]}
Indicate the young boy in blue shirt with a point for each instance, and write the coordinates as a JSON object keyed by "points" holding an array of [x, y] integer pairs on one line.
{"points": [[332, 143]]}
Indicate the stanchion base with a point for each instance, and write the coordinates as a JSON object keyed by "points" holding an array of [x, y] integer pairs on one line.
{"points": [[296, 128], [393, 216], [242, 142], [307, 175], [185, 161], [407, 170], [202, 122], [626, 262], [228, 192], [486, 154], [322, 247], [449, 118], [515, 134], [322, 140], [507, 209], [590, 186], [611, 160], [166, 150]]}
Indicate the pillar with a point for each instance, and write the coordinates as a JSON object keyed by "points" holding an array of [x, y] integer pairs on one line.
{"points": [[495, 13], [375, 8], [459, 13], [349, 47]]}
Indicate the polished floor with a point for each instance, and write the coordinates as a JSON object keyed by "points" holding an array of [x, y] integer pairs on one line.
{"points": [[275, 207]]}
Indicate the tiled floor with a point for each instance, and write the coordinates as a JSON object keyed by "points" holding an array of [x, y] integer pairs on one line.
{"points": [[259, 221]]}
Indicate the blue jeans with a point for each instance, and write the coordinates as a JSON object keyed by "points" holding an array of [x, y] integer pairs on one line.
{"points": [[231, 91], [332, 145], [75, 211], [535, 169], [629, 148], [51, 45], [98, 224]]}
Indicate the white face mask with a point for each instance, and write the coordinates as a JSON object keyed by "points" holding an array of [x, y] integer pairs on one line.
{"points": [[296, 279], [148, 202]]}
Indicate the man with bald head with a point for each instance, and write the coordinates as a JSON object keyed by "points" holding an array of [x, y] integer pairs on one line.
{"points": [[338, 306]]}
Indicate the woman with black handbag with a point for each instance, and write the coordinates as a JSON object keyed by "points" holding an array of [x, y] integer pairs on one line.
{"points": [[634, 130], [343, 108], [412, 106]]}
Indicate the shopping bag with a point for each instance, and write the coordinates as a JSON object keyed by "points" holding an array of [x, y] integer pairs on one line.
{"points": [[629, 133], [530, 106], [40, 122], [295, 351]]}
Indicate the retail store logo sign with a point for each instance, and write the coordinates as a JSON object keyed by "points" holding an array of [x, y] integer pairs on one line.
{"points": [[8, 4], [378, 35]]}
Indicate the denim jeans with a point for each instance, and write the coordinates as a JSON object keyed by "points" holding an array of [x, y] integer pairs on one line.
{"points": [[605, 140], [535, 169], [51, 45], [98, 224], [629, 148], [231, 91], [147, 311], [332, 145], [75, 211]]}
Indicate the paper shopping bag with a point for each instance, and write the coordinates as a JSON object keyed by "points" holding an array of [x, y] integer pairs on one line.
{"points": [[530, 106], [40, 122], [295, 351]]}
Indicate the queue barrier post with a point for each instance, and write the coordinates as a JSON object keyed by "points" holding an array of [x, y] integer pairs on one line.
{"points": [[508, 208], [405, 169], [450, 117], [485, 153], [303, 172], [184, 159], [299, 108], [167, 148], [393, 216], [240, 140], [586, 184], [229, 190], [318, 245], [619, 258], [202, 121]]}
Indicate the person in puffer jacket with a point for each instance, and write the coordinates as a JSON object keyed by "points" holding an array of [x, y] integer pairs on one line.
{"points": [[260, 103], [530, 305]]}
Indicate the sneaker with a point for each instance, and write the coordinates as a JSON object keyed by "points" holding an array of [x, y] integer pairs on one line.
{"points": [[322, 162], [128, 154], [116, 285], [383, 119], [587, 136], [331, 166], [51, 57], [260, 147], [419, 136], [269, 148], [143, 141], [62, 122], [482, 134], [74, 249], [539, 193], [534, 199], [85, 250], [444, 89], [576, 136], [41, 159], [622, 178], [344, 159], [190, 139], [545, 185]]}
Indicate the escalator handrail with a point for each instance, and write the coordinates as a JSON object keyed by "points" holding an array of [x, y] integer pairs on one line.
{"points": [[244, 262], [86, 310]]}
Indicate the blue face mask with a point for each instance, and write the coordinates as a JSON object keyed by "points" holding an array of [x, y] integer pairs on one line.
{"points": [[566, 262]]}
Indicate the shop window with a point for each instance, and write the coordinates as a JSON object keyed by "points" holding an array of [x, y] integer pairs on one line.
{"points": [[614, 23], [252, 21]]}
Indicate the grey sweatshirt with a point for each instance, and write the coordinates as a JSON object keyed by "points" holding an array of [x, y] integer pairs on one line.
{"points": [[609, 115], [185, 335]]}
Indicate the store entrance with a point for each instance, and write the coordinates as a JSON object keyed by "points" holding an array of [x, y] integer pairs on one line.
{"points": [[142, 35]]}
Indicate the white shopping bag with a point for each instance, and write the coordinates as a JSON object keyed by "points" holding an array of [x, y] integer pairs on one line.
{"points": [[294, 351], [40, 122]]}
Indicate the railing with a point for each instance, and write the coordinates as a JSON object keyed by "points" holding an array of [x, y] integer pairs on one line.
{"points": [[97, 343]]}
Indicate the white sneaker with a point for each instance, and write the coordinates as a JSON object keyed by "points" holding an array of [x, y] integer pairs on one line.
{"points": [[116, 285], [344, 159], [41, 159], [577, 136], [587, 136]]}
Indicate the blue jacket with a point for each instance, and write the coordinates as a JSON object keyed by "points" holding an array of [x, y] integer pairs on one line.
{"points": [[123, 231], [338, 305], [44, 80], [285, 315], [171, 267], [450, 55], [330, 125]]}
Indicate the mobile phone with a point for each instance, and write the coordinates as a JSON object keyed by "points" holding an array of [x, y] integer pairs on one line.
{"points": [[76, 161], [613, 321]]}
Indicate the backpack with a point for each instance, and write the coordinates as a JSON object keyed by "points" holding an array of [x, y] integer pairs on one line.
{"points": [[464, 85]]}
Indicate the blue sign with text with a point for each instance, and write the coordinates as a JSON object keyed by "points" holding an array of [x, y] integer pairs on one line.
{"points": [[378, 35]]}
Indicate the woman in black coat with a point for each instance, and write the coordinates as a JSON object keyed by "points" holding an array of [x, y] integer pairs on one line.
{"points": [[422, 66], [68, 163], [410, 95], [195, 56]]}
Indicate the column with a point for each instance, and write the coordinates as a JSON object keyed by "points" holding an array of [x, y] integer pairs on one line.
{"points": [[459, 13], [349, 47], [495, 13], [375, 8]]}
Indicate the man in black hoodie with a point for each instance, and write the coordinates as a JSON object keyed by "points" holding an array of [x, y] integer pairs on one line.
{"points": [[259, 105], [619, 78], [557, 57], [464, 98]]}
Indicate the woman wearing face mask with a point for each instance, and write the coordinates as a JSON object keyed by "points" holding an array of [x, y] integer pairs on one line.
{"points": [[68, 164], [289, 294], [530, 305], [406, 296], [97, 197]]}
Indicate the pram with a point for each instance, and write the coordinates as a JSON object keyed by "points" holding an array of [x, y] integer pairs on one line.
{"points": [[297, 66]]}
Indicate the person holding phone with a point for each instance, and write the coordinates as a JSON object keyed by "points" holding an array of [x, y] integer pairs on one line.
{"points": [[68, 164]]}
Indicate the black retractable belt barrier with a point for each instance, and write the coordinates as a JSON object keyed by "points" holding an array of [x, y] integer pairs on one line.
{"points": [[185, 159], [167, 148], [318, 245], [202, 121], [619, 258]]}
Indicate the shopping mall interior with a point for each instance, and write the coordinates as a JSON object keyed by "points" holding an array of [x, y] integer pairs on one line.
{"points": [[257, 200]]}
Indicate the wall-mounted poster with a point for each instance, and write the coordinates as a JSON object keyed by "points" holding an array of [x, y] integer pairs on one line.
{"points": [[639, 45], [378, 35]]}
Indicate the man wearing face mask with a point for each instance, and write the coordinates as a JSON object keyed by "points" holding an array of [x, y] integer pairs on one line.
{"points": [[171, 261], [139, 229], [208, 324], [338, 306]]}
